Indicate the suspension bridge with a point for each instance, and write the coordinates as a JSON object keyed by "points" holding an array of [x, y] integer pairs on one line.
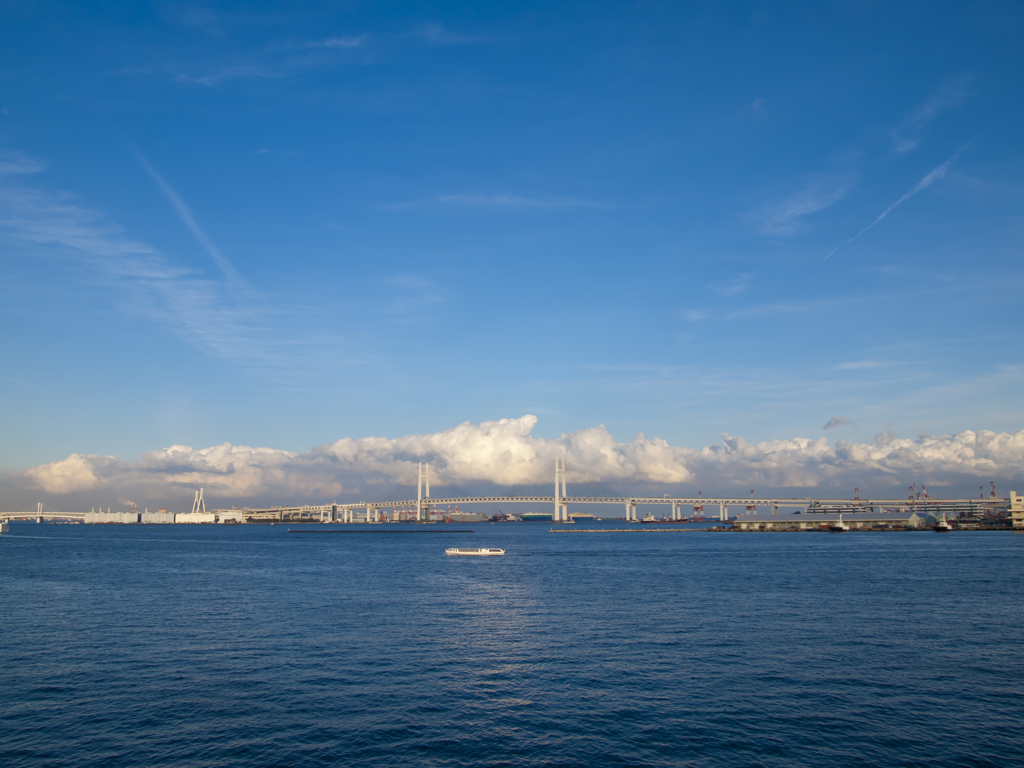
{"points": [[560, 483], [557, 485]]}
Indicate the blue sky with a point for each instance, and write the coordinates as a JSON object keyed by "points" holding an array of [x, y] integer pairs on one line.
{"points": [[271, 226]]}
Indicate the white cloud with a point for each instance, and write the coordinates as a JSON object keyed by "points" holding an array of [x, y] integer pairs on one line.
{"points": [[937, 173], [499, 201], [504, 452], [348, 41], [213, 313], [762, 310], [75, 473], [188, 219], [906, 136], [15, 163], [857, 365], [433, 33], [230, 72], [731, 287], [785, 216], [837, 421], [801, 462]]}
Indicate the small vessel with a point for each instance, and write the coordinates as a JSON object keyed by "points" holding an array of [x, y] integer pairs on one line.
{"points": [[649, 519], [474, 552], [942, 526], [839, 526], [5, 527], [503, 517]]}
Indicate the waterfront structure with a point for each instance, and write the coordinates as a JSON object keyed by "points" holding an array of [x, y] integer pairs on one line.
{"points": [[111, 517], [421, 496], [156, 518], [825, 521], [195, 517]]}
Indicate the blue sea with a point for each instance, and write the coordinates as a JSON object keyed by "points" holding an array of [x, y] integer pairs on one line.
{"points": [[252, 646]]}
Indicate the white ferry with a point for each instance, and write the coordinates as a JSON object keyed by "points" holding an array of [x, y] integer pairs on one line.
{"points": [[4, 527], [474, 552]]}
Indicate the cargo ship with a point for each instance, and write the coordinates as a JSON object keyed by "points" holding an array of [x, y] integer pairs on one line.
{"points": [[465, 517], [536, 517]]}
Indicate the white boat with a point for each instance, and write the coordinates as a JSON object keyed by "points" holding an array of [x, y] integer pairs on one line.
{"points": [[942, 526], [839, 526], [4, 527], [474, 552]]}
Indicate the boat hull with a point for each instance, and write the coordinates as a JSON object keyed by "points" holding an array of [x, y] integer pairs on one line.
{"points": [[456, 552]]}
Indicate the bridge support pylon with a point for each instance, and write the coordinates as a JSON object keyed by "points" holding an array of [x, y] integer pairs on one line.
{"points": [[561, 508], [423, 500]]}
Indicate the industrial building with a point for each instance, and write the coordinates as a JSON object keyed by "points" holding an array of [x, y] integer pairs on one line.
{"points": [[814, 522]]}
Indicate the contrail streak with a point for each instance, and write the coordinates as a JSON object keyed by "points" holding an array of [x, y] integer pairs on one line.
{"points": [[186, 217], [924, 183]]}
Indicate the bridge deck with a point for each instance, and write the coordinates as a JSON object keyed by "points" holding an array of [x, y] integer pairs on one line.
{"points": [[810, 504]]}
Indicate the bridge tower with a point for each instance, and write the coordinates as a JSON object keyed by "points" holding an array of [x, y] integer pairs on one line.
{"points": [[199, 504], [561, 508], [423, 500]]}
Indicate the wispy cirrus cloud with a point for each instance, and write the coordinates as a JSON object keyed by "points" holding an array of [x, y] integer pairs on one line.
{"points": [[859, 365], [497, 201], [933, 176], [732, 287], [907, 135], [785, 216], [217, 75], [432, 33], [763, 310], [408, 293], [191, 305], [195, 16], [345, 41], [275, 60], [189, 220]]}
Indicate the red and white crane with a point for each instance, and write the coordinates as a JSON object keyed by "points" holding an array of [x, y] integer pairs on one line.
{"points": [[752, 506]]}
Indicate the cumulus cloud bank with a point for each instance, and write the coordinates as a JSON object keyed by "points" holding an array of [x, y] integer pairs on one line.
{"points": [[505, 452]]}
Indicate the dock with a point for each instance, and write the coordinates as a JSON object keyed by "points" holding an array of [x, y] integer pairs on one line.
{"points": [[628, 530]]}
